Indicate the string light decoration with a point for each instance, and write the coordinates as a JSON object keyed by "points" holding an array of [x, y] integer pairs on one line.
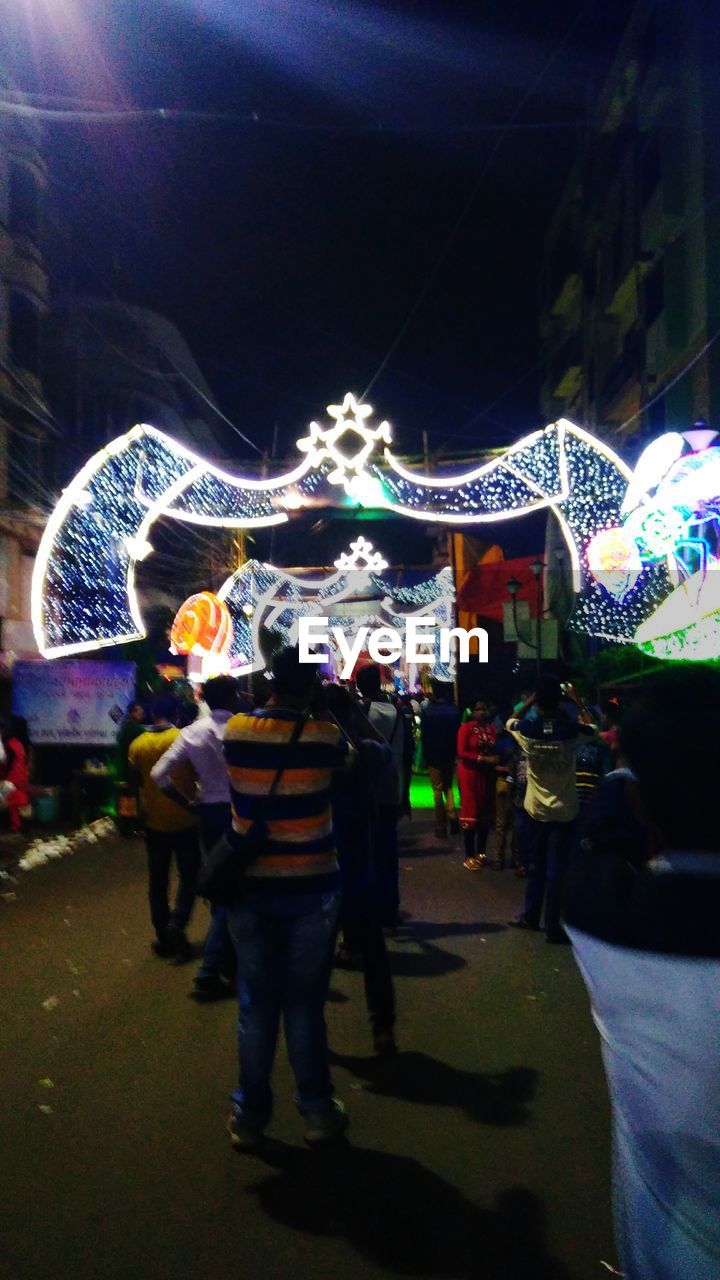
{"points": [[84, 592]]}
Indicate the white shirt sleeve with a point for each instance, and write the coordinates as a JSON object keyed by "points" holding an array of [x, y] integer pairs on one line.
{"points": [[161, 773]]}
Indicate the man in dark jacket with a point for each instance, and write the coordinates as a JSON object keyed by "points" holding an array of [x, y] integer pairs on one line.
{"points": [[439, 724], [644, 927]]}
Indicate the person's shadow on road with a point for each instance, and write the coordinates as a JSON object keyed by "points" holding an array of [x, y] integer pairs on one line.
{"points": [[425, 930], [403, 1217], [428, 961], [501, 1098]]}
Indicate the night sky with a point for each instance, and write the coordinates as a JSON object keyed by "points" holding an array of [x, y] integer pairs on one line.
{"points": [[291, 250]]}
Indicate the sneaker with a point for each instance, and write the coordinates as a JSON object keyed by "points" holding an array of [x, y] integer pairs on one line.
{"points": [[326, 1126], [243, 1136], [384, 1044], [522, 922], [208, 990], [474, 864]]}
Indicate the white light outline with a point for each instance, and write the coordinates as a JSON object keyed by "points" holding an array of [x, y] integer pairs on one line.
{"points": [[466, 477]]}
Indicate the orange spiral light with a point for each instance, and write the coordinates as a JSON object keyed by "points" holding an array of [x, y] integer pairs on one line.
{"points": [[202, 624]]}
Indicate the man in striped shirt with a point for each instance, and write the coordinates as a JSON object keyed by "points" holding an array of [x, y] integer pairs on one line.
{"points": [[284, 926]]}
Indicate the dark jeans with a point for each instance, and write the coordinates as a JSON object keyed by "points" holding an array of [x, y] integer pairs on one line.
{"points": [[362, 932], [284, 945], [218, 954], [386, 863], [521, 836], [161, 847], [550, 845]]}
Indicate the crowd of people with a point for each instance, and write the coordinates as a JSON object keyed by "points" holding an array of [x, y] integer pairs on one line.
{"points": [[616, 838]]}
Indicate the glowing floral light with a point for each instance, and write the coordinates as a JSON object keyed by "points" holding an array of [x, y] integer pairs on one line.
{"points": [[202, 625]]}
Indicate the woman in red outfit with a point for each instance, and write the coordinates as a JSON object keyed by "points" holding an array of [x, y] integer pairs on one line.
{"points": [[15, 784], [476, 778]]}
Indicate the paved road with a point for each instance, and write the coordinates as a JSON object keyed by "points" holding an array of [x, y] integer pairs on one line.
{"points": [[481, 1151]]}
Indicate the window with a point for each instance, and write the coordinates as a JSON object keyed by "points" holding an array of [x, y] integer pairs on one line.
{"points": [[24, 201], [25, 332]]}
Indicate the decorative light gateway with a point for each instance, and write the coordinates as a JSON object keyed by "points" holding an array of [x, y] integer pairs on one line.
{"points": [[84, 591], [361, 556]]}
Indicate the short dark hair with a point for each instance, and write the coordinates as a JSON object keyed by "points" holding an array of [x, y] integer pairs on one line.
{"points": [[368, 680], [548, 693], [441, 690], [165, 707], [340, 704], [677, 784], [221, 693], [290, 675]]}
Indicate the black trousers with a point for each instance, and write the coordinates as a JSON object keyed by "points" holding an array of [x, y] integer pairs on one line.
{"points": [[162, 847], [362, 932]]}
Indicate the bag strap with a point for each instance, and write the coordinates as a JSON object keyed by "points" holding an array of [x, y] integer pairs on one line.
{"points": [[263, 800]]}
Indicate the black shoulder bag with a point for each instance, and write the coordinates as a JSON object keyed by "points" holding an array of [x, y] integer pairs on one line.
{"points": [[223, 872]]}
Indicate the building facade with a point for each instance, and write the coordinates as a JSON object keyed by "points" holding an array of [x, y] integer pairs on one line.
{"points": [[24, 419], [631, 290]]}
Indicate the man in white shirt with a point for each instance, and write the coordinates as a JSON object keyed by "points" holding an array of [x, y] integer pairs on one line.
{"points": [[548, 740], [201, 745], [646, 935]]}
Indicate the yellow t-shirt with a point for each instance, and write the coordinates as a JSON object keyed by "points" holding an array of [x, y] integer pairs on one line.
{"points": [[159, 812]]}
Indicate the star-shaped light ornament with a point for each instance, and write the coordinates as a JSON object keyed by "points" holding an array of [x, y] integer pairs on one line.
{"points": [[348, 444], [362, 551]]}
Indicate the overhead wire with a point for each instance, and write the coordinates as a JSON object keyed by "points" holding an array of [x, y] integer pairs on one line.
{"points": [[168, 115]]}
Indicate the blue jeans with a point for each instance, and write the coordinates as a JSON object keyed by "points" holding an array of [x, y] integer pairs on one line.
{"points": [[284, 945]]}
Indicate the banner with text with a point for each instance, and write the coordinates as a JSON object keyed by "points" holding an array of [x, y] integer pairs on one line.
{"points": [[69, 701]]}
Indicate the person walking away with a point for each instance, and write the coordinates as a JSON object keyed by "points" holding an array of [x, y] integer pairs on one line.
{"points": [[285, 922], [477, 759], [171, 832], [645, 935], [200, 746], [392, 726], [439, 724], [15, 773], [548, 740], [354, 807]]}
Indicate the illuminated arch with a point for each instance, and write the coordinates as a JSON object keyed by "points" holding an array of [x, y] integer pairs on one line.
{"points": [[84, 594]]}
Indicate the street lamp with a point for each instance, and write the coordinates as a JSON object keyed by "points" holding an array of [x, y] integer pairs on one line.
{"points": [[513, 586], [536, 569]]}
